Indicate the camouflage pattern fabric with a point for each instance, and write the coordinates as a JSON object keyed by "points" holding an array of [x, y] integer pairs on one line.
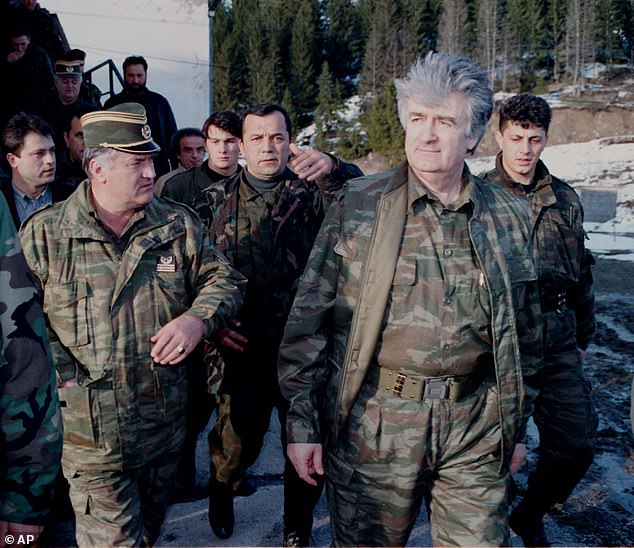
{"points": [[330, 344], [31, 439], [105, 298], [326, 348], [564, 412], [560, 255], [295, 220], [108, 504], [395, 453], [437, 319]]}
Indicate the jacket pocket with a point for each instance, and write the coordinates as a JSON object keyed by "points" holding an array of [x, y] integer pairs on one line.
{"points": [[79, 428], [66, 306], [521, 271]]}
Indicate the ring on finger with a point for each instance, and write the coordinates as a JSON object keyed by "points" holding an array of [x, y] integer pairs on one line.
{"points": [[180, 349]]}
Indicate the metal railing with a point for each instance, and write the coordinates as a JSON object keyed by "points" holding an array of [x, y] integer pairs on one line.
{"points": [[113, 72]]}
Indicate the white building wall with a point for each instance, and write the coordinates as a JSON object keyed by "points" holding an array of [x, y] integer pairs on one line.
{"points": [[173, 36]]}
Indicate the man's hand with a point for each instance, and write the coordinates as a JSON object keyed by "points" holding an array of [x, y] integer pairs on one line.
{"points": [[176, 339], [9, 530], [518, 459], [310, 164], [15, 56], [232, 339], [306, 458]]}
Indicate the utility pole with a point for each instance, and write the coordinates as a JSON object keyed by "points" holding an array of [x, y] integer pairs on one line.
{"points": [[211, 12]]}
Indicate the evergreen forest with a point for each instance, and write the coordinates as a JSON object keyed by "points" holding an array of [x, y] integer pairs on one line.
{"points": [[312, 55]]}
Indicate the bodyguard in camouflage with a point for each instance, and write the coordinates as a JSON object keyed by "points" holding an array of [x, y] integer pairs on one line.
{"points": [[30, 424], [131, 285], [564, 413], [265, 219], [403, 353]]}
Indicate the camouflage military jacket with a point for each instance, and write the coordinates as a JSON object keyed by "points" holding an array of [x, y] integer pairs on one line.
{"points": [[297, 215], [186, 186], [30, 424], [335, 323], [103, 305], [562, 261]]}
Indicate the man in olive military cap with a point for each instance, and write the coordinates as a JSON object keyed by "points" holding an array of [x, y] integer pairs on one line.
{"points": [[131, 285], [57, 107]]}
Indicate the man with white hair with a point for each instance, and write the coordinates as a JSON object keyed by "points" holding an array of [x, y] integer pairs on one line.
{"points": [[403, 355]]}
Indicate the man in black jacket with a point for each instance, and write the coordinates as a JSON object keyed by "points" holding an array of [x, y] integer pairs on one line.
{"points": [[159, 113]]}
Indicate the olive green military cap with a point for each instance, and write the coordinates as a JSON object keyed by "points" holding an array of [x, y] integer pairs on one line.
{"points": [[67, 68], [123, 127]]}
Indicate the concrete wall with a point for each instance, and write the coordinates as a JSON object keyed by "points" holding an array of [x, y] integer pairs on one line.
{"points": [[171, 34]]}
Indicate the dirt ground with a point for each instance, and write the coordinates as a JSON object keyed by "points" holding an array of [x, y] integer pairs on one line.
{"points": [[600, 512]]}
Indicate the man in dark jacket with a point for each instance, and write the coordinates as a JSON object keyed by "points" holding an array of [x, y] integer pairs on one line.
{"points": [[44, 28], [30, 151], [222, 132], [564, 412], [159, 113], [28, 74], [265, 219]]}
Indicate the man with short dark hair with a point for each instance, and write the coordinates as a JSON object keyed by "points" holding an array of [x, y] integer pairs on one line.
{"points": [[414, 320], [265, 218], [30, 151], [70, 169], [187, 148], [159, 112], [131, 285], [43, 26], [27, 74], [564, 412], [222, 132]]}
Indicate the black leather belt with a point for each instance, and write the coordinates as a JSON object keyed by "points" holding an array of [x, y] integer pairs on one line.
{"points": [[416, 388]]}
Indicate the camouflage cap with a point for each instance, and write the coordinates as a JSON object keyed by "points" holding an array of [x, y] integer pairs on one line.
{"points": [[123, 127], [69, 68]]}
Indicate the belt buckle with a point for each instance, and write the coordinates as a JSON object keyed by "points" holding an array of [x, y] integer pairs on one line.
{"points": [[398, 385], [436, 388]]}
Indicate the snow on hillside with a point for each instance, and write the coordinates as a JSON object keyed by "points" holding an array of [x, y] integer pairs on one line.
{"points": [[602, 163]]}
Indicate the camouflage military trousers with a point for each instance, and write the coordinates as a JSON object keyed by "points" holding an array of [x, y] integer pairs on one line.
{"points": [[122, 508], [242, 421], [395, 453], [565, 417]]}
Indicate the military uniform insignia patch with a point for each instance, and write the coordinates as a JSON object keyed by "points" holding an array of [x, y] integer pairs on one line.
{"points": [[166, 264]]}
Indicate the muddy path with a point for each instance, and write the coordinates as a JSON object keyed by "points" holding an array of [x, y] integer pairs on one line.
{"points": [[600, 512]]}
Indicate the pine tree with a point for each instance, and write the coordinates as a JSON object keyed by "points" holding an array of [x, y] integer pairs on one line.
{"points": [[382, 62], [420, 27], [327, 121], [488, 36], [301, 67], [343, 42], [580, 40], [224, 59], [385, 133], [524, 41], [289, 106], [452, 31]]}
